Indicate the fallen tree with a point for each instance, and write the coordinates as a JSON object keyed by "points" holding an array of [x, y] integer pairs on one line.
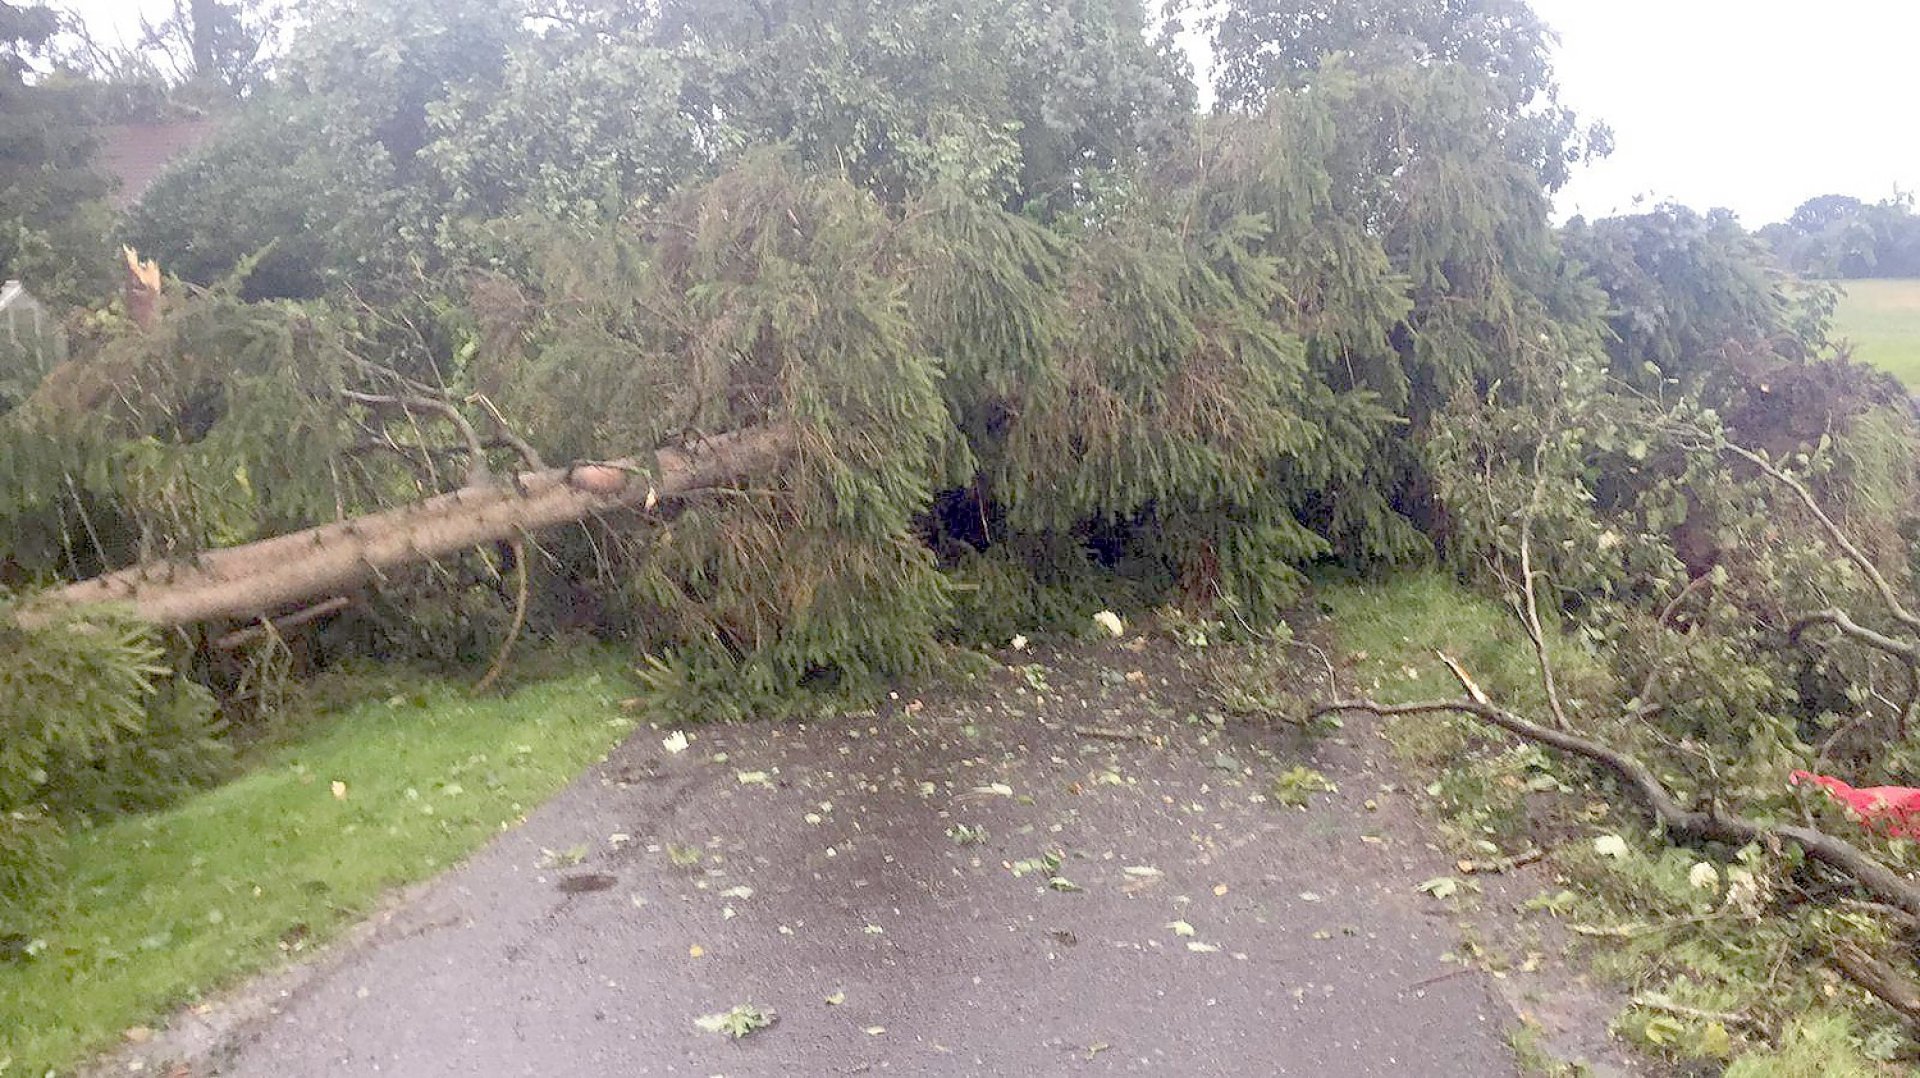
{"points": [[249, 581]]}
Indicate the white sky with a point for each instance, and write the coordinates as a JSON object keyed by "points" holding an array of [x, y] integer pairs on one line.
{"points": [[1755, 105]]}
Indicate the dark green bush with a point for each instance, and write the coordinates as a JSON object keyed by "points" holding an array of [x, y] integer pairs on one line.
{"points": [[90, 722]]}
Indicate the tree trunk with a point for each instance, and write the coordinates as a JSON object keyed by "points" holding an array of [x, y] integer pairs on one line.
{"points": [[206, 15], [250, 581]]}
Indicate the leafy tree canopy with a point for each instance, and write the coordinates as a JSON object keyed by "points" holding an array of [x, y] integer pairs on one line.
{"points": [[1839, 236], [53, 218], [1262, 46]]}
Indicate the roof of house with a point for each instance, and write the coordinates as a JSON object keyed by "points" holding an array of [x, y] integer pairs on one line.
{"points": [[136, 154]]}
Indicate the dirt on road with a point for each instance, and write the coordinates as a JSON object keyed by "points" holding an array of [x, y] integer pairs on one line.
{"points": [[1076, 867]]}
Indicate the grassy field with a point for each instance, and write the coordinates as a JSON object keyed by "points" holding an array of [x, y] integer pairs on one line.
{"points": [[164, 908], [1882, 319]]}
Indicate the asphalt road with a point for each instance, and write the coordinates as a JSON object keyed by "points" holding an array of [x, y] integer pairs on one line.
{"points": [[879, 883]]}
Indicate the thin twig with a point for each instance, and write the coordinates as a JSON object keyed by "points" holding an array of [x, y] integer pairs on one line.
{"points": [[519, 620], [1109, 733], [1730, 1019], [1447, 976], [1536, 632]]}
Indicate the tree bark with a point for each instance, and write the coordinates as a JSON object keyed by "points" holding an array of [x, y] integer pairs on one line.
{"points": [[251, 581], [205, 32]]}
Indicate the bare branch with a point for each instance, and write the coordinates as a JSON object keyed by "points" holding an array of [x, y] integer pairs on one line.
{"points": [[445, 409], [1840, 620], [1729, 1019], [1886, 983], [269, 628], [1708, 825], [528, 455], [1530, 614], [1673, 607], [519, 621], [1906, 651]]}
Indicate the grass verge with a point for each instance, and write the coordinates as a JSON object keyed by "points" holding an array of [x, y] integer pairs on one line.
{"points": [[1689, 956], [164, 908]]}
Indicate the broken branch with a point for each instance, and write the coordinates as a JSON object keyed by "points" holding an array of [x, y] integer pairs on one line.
{"points": [[499, 666], [269, 628], [476, 450], [1882, 980], [1708, 825], [1493, 867]]}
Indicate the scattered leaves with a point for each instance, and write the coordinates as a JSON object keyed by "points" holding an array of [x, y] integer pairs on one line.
{"points": [[1295, 787], [742, 1020], [967, 834], [1047, 864]]}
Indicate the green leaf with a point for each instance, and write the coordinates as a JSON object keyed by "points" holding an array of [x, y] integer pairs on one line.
{"points": [[742, 1020]]}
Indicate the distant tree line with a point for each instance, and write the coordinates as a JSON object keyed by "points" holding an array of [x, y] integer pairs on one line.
{"points": [[1838, 236]]}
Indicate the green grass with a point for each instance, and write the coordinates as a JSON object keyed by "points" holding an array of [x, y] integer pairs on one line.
{"points": [[1396, 624], [1388, 630], [1882, 319], [164, 908]]}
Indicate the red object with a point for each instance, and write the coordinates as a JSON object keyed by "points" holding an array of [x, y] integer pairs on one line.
{"points": [[1890, 810]]}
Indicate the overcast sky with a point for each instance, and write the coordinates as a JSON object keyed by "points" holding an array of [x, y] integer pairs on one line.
{"points": [[1755, 105]]}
